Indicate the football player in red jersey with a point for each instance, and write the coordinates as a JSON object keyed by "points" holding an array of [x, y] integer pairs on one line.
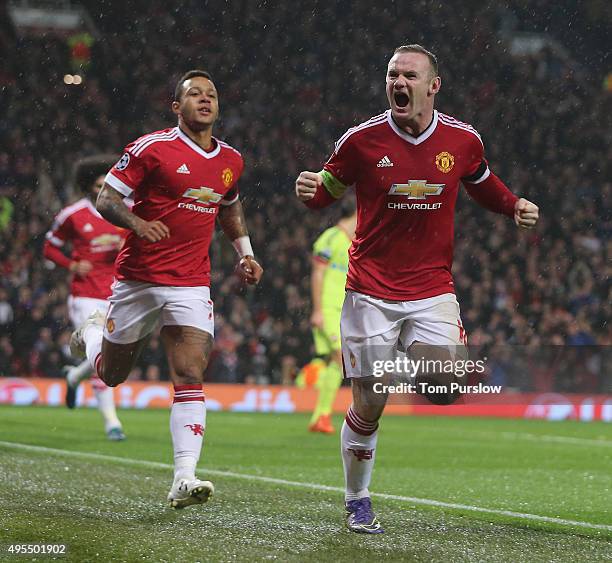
{"points": [[406, 165], [95, 245], [181, 180]]}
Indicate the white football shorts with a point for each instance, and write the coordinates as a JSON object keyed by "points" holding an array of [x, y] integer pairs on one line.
{"points": [[79, 308], [375, 329], [137, 307]]}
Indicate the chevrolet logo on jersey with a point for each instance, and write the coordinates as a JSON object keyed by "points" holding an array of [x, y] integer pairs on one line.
{"points": [[416, 189], [203, 195]]}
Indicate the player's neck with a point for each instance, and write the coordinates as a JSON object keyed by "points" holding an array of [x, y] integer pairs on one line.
{"points": [[202, 138], [416, 125]]}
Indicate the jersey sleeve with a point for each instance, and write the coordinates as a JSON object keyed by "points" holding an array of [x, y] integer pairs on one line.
{"points": [[477, 167], [321, 249], [131, 169], [233, 194], [61, 231], [55, 255], [340, 171], [483, 186]]}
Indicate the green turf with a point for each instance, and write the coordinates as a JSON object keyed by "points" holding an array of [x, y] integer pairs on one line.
{"points": [[108, 510]]}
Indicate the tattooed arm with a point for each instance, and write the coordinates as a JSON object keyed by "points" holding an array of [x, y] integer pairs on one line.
{"points": [[110, 205], [231, 219]]}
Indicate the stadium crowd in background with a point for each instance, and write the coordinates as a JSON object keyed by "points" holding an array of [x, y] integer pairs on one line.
{"points": [[545, 119]]}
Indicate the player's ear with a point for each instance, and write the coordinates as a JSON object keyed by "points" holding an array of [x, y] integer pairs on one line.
{"points": [[176, 107], [435, 85]]}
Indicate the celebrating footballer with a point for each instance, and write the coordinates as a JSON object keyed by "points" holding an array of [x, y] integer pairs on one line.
{"points": [[405, 165], [181, 180]]}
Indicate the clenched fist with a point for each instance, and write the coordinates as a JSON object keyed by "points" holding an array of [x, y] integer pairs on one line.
{"points": [[306, 185], [249, 270], [526, 214]]}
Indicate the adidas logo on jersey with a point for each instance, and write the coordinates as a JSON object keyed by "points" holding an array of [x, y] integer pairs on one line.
{"points": [[87, 228], [182, 169], [384, 162]]}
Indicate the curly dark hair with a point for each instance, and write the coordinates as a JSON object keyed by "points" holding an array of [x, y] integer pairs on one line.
{"points": [[88, 169]]}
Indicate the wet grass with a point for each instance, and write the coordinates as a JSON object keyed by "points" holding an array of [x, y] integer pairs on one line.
{"points": [[108, 509]]}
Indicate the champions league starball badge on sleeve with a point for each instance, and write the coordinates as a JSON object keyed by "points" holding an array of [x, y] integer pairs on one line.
{"points": [[123, 162]]}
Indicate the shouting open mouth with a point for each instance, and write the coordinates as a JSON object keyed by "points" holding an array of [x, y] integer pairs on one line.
{"points": [[401, 99]]}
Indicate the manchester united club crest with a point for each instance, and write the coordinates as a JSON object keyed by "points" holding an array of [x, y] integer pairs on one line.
{"points": [[227, 176], [110, 325], [445, 162]]}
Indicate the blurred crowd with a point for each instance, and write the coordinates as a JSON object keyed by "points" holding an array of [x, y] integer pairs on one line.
{"points": [[290, 84]]}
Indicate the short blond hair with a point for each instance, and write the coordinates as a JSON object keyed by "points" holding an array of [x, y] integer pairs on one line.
{"points": [[415, 48]]}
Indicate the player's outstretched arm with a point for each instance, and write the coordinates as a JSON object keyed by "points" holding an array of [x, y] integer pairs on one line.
{"points": [[111, 207], [311, 191], [494, 195], [526, 214], [232, 221]]}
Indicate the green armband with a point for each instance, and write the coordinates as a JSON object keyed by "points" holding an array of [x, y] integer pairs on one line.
{"points": [[334, 186]]}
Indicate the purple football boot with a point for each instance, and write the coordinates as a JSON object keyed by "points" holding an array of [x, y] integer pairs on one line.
{"points": [[361, 518]]}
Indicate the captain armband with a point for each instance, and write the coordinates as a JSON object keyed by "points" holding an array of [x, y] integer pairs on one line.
{"points": [[334, 186]]}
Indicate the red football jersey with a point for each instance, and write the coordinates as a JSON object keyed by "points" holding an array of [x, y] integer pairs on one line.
{"points": [[406, 191], [93, 239], [173, 180]]}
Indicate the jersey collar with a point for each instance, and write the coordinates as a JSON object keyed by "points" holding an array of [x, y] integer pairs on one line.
{"points": [[196, 147], [407, 137]]}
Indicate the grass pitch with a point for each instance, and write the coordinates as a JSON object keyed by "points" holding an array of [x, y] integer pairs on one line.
{"points": [[448, 490]]}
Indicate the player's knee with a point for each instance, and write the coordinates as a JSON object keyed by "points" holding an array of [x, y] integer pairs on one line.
{"points": [[112, 380], [112, 377], [439, 389]]}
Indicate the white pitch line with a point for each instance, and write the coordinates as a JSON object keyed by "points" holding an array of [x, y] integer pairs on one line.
{"points": [[534, 437], [558, 439], [315, 486]]}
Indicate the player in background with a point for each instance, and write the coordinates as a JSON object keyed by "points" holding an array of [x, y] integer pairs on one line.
{"points": [[181, 180], [327, 283], [406, 165], [95, 244]]}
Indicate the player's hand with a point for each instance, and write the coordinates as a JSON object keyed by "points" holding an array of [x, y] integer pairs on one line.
{"points": [[81, 267], [316, 319], [306, 185], [152, 231], [526, 214], [249, 270]]}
